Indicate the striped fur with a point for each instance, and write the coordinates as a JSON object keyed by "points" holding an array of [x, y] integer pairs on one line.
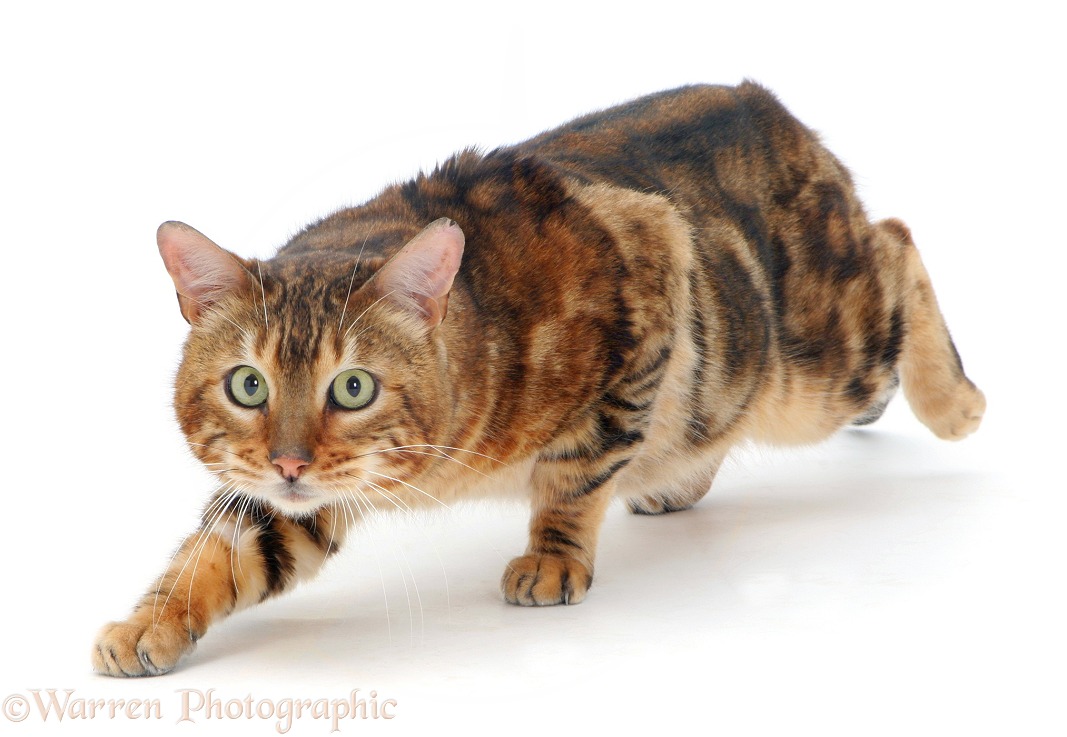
{"points": [[604, 310]]}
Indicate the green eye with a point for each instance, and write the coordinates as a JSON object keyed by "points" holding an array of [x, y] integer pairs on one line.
{"points": [[248, 388], [353, 389]]}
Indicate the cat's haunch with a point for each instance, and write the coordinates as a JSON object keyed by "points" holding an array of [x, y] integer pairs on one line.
{"points": [[603, 310]]}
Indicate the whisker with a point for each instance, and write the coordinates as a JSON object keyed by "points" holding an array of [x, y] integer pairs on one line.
{"points": [[192, 576], [367, 504], [444, 456], [214, 447], [405, 483], [375, 302], [331, 543], [213, 309], [348, 499], [428, 445], [464, 450], [196, 564], [406, 566], [219, 500], [235, 543], [206, 529], [403, 578], [439, 455], [263, 291], [390, 497], [351, 281], [404, 507]]}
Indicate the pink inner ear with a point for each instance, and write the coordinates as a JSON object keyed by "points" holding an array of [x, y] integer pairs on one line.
{"points": [[202, 271], [420, 276]]}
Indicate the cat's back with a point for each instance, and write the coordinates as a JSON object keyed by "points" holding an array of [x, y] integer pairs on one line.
{"points": [[682, 141], [699, 145]]}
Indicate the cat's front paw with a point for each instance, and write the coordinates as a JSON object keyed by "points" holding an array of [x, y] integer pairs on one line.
{"points": [[135, 649], [542, 580]]}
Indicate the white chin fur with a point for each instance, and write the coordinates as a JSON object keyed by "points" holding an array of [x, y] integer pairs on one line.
{"points": [[294, 500]]}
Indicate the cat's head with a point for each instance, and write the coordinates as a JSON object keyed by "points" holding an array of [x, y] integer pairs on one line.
{"points": [[316, 375]]}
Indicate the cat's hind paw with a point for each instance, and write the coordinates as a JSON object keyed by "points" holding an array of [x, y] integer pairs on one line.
{"points": [[658, 504], [954, 415], [543, 580], [677, 498], [131, 649], [970, 408]]}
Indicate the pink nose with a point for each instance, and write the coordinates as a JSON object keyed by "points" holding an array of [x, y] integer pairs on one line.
{"points": [[290, 467]]}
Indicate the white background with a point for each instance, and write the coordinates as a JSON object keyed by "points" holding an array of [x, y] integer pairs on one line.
{"points": [[882, 583]]}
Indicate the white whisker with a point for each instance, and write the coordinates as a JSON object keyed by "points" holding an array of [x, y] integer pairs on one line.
{"points": [[219, 500], [214, 447], [235, 543], [389, 496], [351, 281], [206, 529], [375, 302], [263, 291], [403, 578], [381, 575], [429, 445], [331, 542], [405, 483], [213, 309]]}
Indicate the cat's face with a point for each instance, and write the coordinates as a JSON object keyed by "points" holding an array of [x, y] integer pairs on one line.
{"points": [[305, 381]]}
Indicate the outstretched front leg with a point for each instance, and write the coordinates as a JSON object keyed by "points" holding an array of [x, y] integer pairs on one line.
{"points": [[243, 553]]}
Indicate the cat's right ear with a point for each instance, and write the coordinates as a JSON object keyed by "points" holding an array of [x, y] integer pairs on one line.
{"points": [[419, 277], [202, 271]]}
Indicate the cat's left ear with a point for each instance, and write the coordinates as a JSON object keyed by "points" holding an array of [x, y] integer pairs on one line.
{"points": [[202, 272], [419, 277]]}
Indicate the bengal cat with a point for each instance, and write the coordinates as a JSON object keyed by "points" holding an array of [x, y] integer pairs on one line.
{"points": [[601, 311]]}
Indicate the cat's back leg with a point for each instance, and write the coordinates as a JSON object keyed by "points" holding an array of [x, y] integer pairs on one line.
{"points": [[676, 497], [930, 369]]}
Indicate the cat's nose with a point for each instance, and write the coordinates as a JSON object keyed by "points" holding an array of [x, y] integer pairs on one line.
{"points": [[290, 466]]}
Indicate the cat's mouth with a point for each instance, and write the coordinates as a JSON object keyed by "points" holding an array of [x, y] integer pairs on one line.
{"points": [[295, 494], [295, 498]]}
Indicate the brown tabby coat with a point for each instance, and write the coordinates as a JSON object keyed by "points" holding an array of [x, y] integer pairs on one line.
{"points": [[601, 311]]}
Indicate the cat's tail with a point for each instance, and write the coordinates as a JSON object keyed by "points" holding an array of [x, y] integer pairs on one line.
{"points": [[930, 369]]}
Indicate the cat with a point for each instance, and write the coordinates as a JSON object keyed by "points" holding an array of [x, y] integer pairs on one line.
{"points": [[601, 311]]}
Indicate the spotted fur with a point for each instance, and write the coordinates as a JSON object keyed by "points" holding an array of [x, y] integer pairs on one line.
{"points": [[604, 310]]}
